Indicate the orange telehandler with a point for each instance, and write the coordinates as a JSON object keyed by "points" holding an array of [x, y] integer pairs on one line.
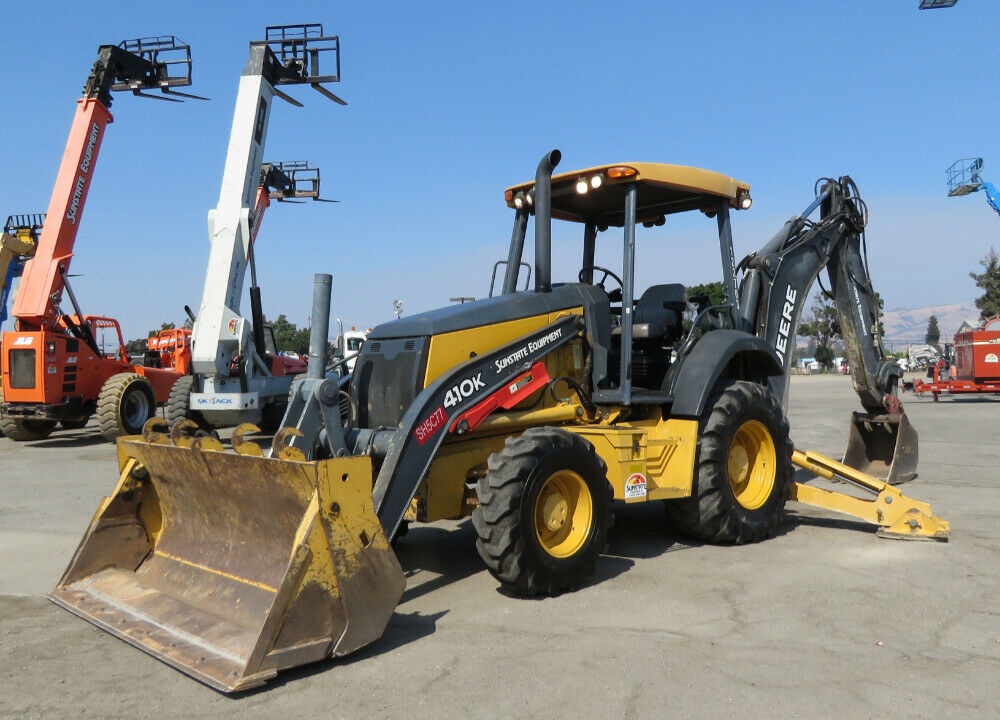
{"points": [[54, 367]]}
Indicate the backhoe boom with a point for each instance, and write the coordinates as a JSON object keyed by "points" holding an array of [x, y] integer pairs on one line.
{"points": [[775, 287]]}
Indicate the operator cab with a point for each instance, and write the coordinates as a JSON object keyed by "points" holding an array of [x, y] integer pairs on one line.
{"points": [[633, 348]]}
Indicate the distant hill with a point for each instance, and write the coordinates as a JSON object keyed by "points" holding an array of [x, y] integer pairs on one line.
{"points": [[910, 326]]}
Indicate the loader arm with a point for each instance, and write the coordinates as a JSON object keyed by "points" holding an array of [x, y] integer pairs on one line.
{"points": [[774, 289], [436, 411]]}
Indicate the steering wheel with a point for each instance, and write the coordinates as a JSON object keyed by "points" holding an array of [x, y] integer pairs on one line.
{"points": [[616, 293]]}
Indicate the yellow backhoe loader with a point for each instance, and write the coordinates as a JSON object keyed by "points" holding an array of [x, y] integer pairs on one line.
{"points": [[532, 411]]}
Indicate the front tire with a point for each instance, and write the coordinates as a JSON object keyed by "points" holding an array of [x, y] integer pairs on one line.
{"points": [[124, 405], [743, 469], [544, 512]]}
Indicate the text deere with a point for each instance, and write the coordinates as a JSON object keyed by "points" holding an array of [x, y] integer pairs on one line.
{"points": [[785, 326]]}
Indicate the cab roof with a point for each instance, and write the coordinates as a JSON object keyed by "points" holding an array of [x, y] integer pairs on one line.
{"points": [[662, 190]]}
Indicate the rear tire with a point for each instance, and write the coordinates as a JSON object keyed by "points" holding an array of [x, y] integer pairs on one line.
{"points": [[26, 430], [124, 405], [743, 468], [544, 512]]}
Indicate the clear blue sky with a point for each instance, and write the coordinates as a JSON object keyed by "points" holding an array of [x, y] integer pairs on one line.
{"points": [[450, 102]]}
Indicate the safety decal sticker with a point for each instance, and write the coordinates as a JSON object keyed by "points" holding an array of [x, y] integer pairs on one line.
{"points": [[635, 486]]}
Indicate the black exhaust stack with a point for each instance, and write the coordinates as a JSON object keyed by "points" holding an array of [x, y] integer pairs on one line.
{"points": [[543, 221]]}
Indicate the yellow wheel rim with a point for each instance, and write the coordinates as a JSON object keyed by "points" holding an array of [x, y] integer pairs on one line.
{"points": [[564, 513], [752, 465]]}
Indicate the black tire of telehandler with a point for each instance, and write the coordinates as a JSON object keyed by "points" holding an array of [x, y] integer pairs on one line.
{"points": [[26, 430], [124, 405], [273, 413], [271, 416], [178, 405], [74, 424], [511, 501], [741, 417]]}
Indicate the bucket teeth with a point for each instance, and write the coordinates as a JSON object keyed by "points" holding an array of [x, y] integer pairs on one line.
{"points": [[281, 449], [246, 447], [155, 431], [182, 432], [206, 443]]}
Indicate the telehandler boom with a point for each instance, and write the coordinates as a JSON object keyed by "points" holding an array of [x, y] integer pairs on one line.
{"points": [[290, 181], [234, 379], [531, 411], [53, 367]]}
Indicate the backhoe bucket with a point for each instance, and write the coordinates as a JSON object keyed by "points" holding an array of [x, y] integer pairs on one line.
{"points": [[883, 446], [231, 567]]}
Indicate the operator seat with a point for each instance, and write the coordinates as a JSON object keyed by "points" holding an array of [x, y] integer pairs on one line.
{"points": [[656, 324], [658, 313]]}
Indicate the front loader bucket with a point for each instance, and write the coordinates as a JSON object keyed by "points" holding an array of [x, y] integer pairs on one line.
{"points": [[883, 446], [232, 567]]}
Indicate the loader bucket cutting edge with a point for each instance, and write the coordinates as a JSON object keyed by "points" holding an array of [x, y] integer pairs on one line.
{"points": [[883, 446], [232, 567]]}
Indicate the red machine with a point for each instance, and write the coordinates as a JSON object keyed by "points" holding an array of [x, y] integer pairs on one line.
{"points": [[977, 364], [62, 367]]}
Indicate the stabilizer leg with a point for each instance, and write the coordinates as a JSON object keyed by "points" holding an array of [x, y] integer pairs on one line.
{"points": [[897, 515]]}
